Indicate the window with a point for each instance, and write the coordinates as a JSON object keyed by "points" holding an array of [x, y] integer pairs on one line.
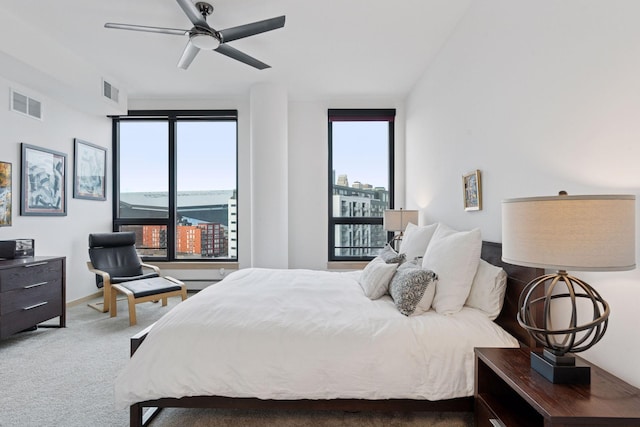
{"points": [[361, 181], [175, 183]]}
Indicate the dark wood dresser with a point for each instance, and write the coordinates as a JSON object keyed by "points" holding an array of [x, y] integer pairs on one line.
{"points": [[509, 393], [32, 290]]}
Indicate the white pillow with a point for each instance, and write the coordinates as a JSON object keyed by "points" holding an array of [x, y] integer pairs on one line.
{"points": [[487, 289], [375, 278], [416, 239], [454, 257]]}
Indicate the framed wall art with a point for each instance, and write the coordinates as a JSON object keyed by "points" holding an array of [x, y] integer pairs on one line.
{"points": [[43, 189], [472, 191], [90, 165], [5, 194]]}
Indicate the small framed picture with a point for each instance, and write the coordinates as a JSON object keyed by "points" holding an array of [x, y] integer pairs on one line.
{"points": [[472, 191], [90, 165], [5, 194], [43, 183]]}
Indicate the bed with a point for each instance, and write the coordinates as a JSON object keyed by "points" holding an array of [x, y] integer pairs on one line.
{"points": [[285, 376]]}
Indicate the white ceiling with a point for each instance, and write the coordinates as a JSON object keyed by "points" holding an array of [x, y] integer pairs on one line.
{"points": [[329, 48]]}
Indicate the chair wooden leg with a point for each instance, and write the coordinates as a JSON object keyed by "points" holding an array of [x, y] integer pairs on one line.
{"points": [[107, 291], [164, 301], [113, 310], [132, 310]]}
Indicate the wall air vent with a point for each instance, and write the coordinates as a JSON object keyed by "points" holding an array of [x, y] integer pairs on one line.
{"points": [[25, 105], [110, 91]]}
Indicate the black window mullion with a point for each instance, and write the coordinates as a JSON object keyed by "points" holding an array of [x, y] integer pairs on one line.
{"points": [[115, 163], [171, 226], [331, 230]]}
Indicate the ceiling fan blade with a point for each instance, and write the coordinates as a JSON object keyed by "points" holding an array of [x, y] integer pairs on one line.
{"points": [[240, 56], [190, 52], [193, 13], [174, 31], [247, 30]]}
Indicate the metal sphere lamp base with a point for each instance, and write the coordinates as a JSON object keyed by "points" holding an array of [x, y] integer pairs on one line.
{"points": [[555, 362]]}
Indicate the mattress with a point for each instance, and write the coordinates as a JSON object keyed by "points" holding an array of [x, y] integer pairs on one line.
{"points": [[304, 334]]}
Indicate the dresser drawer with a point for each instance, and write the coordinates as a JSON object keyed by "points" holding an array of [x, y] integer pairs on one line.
{"points": [[29, 316], [30, 295], [30, 274]]}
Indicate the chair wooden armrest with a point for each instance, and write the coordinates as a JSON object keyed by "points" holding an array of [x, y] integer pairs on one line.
{"points": [[152, 267], [106, 289]]}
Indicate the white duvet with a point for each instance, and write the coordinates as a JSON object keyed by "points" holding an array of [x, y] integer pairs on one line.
{"points": [[302, 334]]}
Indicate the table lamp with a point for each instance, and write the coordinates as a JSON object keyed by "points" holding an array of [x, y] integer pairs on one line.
{"points": [[396, 220], [583, 233]]}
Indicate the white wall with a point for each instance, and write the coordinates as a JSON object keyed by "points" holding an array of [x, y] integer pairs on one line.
{"points": [[269, 173], [66, 235], [541, 97]]}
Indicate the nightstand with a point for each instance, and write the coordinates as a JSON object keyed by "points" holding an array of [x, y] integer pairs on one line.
{"points": [[508, 393]]}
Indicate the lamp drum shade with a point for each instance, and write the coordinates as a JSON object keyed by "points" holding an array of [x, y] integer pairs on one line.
{"points": [[398, 219], [583, 233]]}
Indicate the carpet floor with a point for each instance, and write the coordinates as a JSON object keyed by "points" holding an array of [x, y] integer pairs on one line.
{"points": [[64, 378]]}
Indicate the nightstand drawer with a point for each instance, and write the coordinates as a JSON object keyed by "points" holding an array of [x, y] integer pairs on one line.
{"points": [[30, 274], [30, 295], [484, 416]]}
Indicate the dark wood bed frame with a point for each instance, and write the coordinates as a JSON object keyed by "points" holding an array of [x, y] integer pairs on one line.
{"points": [[518, 277]]}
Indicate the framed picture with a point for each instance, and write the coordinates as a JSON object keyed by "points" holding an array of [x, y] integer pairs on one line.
{"points": [[472, 191], [43, 186], [89, 167], [5, 194]]}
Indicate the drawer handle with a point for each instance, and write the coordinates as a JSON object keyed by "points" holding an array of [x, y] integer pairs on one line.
{"points": [[36, 264], [35, 285], [496, 422], [31, 307]]}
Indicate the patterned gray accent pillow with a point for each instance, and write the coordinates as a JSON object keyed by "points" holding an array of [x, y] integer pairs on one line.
{"points": [[410, 289], [390, 256]]}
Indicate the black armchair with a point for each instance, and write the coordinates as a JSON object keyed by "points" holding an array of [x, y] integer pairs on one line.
{"points": [[118, 269]]}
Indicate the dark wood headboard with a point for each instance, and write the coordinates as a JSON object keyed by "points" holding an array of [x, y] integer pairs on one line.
{"points": [[518, 278]]}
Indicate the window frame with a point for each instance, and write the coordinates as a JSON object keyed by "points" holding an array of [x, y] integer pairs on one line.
{"points": [[357, 114], [171, 117]]}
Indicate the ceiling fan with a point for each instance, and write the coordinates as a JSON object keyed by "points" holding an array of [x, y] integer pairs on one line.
{"points": [[202, 36]]}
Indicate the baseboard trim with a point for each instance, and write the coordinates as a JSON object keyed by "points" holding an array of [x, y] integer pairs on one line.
{"points": [[84, 299]]}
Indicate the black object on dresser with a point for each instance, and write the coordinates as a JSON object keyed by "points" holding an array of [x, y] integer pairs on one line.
{"points": [[509, 393], [32, 290]]}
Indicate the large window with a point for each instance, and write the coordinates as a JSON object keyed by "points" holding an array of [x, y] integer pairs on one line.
{"points": [[175, 183], [361, 181]]}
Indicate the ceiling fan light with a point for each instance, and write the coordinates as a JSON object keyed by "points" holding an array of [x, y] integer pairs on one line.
{"points": [[205, 41]]}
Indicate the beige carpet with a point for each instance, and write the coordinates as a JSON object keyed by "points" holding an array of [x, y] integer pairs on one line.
{"points": [[64, 378], [219, 418]]}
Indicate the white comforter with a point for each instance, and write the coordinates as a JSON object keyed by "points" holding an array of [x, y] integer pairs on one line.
{"points": [[294, 334]]}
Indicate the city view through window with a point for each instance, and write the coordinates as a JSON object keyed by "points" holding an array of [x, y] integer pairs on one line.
{"points": [[358, 200], [204, 225], [360, 166]]}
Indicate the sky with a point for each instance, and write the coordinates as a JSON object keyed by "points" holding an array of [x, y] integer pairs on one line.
{"points": [[361, 150], [207, 154]]}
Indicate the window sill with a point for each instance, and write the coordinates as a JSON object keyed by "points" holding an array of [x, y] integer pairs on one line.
{"points": [[191, 265], [346, 265]]}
